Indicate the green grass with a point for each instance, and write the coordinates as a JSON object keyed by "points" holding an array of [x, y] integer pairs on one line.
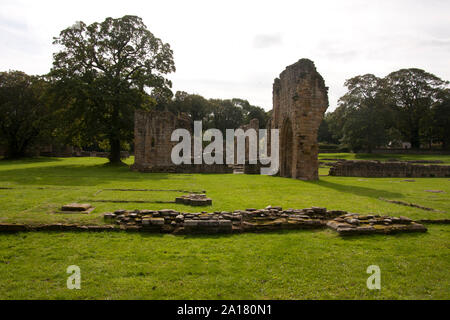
{"points": [[284, 265]]}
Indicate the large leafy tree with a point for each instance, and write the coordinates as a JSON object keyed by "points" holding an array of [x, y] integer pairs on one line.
{"points": [[364, 113], [413, 92], [24, 113], [441, 119], [195, 105], [104, 71], [325, 133], [335, 122]]}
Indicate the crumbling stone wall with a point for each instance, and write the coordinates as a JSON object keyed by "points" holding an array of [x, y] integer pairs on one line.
{"points": [[250, 168], [153, 148], [300, 99], [152, 133], [377, 169]]}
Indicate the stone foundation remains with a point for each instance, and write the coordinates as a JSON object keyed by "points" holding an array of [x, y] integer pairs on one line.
{"points": [[196, 200], [253, 220], [353, 224], [377, 169], [238, 221], [84, 208]]}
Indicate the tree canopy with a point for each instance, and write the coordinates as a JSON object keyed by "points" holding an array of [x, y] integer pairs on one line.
{"points": [[365, 113], [413, 92], [103, 71], [24, 112], [409, 105]]}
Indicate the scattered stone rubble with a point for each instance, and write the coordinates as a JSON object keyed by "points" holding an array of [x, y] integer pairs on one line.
{"points": [[238, 221], [260, 220], [193, 199], [84, 208], [353, 223]]}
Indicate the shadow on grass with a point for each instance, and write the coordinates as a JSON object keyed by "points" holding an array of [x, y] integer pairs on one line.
{"points": [[219, 236], [358, 190], [76, 175], [4, 161], [384, 237], [373, 156]]}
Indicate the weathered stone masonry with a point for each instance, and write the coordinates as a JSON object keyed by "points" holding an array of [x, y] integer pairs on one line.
{"points": [[152, 133], [238, 221], [153, 148], [260, 220], [300, 99], [377, 169]]}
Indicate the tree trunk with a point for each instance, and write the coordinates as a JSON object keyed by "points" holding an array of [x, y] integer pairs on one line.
{"points": [[14, 151], [369, 144], [114, 140], [14, 154], [114, 155], [415, 139]]}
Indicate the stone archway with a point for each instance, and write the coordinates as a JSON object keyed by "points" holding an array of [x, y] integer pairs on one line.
{"points": [[286, 149]]}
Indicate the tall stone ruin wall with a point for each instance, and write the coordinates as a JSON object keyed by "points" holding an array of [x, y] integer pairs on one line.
{"points": [[300, 99]]}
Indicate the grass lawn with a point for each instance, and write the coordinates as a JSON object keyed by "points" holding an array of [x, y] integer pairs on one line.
{"points": [[285, 265]]}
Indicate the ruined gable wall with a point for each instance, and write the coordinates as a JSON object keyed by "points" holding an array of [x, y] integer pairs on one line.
{"points": [[152, 133], [300, 100], [153, 148]]}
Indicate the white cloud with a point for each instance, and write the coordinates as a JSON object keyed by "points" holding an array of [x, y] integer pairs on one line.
{"points": [[267, 40], [236, 48]]}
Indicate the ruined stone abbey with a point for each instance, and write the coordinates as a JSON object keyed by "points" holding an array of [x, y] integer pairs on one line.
{"points": [[300, 99]]}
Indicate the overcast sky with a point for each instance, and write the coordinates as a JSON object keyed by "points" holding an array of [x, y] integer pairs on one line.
{"points": [[227, 49]]}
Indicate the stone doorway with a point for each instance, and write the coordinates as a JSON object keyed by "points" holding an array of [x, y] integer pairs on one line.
{"points": [[286, 149]]}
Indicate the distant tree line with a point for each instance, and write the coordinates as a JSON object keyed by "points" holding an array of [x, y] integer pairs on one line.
{"points": [[408, 105], [214, 113]]}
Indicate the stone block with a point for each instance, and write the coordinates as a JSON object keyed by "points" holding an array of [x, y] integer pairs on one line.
{"points": [[76, 207]]}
